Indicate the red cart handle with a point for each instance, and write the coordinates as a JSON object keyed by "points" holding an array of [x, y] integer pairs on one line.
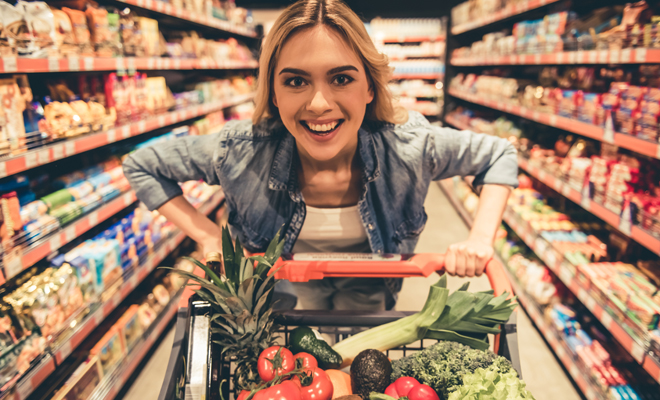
{"points": [[311, 266]]}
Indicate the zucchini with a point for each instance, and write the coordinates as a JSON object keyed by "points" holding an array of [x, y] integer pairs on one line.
{"points": [[305, 339]]}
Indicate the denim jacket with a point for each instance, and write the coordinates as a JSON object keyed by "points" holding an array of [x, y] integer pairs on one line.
{"points": [[257, 169]]}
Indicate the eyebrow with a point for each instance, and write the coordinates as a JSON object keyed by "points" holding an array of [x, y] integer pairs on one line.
{"points": [[331, 72]]}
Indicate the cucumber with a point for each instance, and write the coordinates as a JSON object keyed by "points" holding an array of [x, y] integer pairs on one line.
{"points": [[305, 339]]}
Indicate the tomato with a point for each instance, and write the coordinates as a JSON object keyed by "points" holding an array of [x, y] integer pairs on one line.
{"points": [[320, 387], [308, 360], [275, 360], [422, 392], [244, 394], [286, 390], [412, 389], [401, 387]]}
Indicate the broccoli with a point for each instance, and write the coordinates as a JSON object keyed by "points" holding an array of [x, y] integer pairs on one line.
{"points": [[443, 365]]}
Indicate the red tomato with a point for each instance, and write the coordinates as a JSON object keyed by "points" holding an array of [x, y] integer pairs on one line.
{"points": [[401, 387], [319, 389], [308, 360], [422, 392], [286, 390], [271, 363], [244, 394]]}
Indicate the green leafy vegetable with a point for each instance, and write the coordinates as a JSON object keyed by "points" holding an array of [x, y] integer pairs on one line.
{"points": [[491, 384], [461, 316], [443, 365]]}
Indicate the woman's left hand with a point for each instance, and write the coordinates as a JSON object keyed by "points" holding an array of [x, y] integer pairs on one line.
{"points": [[468, 258]]}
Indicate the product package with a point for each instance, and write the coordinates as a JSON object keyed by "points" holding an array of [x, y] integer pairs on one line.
{"points": [[109, 351]]}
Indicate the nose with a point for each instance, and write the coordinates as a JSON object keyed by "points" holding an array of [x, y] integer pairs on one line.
{"points": [[319, 103]]}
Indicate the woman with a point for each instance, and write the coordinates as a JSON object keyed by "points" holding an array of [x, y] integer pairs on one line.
{"points": [[328, 155]]}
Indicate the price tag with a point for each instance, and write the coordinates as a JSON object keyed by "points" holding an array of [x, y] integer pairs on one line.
{"points": [[566, 190], [140, 3], [74, 63], [536, 116], [550, 258], [70, 234], [142, 126], [99, 316], [579, 57], [540, 246], [133, 281], [88, 63], [625, 55], [131, 66], [637, 352], [640, 55], [65, 351], [111, 136], [93, 218], [565, 275], [537, 59], [69, 149], [13, 262], [606, 319], [583, 296], [126, 131], [159, 6], [24, 389], [159, 63], [121, 66], [161, 121], [53, 64], [615, 56], [128, 198], [557, 185], [151, 63], [574, 371], [58, 152], [30, 160], [55, 242], [593, 57], [3, 169], [43, 157], [177, 63], [561, 353], [9, 64]]}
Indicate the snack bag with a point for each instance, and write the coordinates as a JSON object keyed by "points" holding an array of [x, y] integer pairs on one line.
{"points": [[65, 39], [80, 30], [41, 27], [97, 19]]}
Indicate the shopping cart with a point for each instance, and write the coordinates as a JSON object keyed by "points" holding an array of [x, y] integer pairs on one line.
{"points": [[195, 372]]}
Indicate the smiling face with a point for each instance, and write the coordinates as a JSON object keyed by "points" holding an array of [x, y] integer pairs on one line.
{"points": [[321, 91]]}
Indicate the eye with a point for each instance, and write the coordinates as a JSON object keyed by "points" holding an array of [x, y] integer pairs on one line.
{"points": [[295, 82], [342, 80]]}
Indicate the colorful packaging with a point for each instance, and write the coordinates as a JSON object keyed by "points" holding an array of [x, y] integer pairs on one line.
{"points": [[109, 351]]}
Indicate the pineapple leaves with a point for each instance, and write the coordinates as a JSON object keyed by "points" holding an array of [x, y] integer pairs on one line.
{"points": [[214, 278]]}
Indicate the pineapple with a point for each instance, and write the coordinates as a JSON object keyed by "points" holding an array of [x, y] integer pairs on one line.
{"points": [[242, 322]]}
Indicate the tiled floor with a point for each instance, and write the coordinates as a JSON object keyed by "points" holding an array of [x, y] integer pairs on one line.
{"points": [[544, 376]]}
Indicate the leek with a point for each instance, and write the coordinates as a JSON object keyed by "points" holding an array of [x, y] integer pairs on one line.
{"points": [[462, 317]]}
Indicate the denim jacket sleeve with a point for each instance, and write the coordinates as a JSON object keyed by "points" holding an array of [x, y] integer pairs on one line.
{"points": [[491, 160], [155, 171]]}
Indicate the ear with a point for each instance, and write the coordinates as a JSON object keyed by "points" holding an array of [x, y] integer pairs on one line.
{"points": [[370, 95], [274, 99]]}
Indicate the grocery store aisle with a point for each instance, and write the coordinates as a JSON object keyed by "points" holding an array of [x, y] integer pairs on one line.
{"points": [[544, 376]]}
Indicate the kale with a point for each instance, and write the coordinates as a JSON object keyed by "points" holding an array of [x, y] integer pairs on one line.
{"points": [[443, 365]]}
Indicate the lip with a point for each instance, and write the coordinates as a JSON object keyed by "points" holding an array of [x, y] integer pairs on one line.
{"points": [[323, 138], [321, 121]]}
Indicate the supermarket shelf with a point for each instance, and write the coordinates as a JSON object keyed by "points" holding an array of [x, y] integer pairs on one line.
{"points": [[645, 147], [67, 345], [504, 13], [69, 233], [637, 234], [415, 39], [120, 64], [456, 123], [167, 9], [562, 269], [417, 76], [555, 341], [68, 148], [625, 56]]}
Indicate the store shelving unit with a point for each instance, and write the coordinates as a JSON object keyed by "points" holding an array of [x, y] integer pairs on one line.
{"points": [[635, 345], [67, 148], [587, 57], [645, 147], [76, 64], [501, 14], [65, 344], [552, 337]]}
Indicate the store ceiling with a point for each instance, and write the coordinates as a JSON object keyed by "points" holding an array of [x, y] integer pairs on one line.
{"points": [[371, 9]]}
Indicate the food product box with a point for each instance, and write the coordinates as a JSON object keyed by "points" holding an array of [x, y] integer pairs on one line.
{"points": [[82, 382], [130, 328], [109, 350]]}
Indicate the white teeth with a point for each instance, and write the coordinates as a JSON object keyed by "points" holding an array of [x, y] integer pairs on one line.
{"points": [[322, 127]]}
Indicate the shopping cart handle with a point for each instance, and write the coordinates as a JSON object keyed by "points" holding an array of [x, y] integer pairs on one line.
{"points": [[312, 266]]}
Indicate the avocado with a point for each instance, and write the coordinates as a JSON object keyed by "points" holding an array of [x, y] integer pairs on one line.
{"points": [[370, 372], [308, 340]]}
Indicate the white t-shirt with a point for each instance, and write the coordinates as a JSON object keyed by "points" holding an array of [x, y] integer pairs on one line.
{"points": [[332, 230]]}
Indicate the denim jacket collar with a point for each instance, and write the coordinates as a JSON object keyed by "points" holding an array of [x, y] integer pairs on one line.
{"points": [[283, 169]]}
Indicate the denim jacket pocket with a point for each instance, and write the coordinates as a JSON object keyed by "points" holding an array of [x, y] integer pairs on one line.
{"points": [[411, 228]]}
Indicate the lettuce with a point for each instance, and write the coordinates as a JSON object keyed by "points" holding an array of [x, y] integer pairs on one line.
{"points": [[491, 384]]}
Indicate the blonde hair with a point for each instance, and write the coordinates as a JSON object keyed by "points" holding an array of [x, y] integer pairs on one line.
{"points": [[338, 16]]}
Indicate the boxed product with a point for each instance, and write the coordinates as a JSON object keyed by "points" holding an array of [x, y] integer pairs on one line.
{"points": [[82, 382], [109, 351], [130, 328]]}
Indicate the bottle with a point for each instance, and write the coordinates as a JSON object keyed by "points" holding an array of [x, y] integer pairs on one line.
{"points": [[214, 262]]}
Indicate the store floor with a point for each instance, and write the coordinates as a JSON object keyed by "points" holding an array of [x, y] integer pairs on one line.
{"points": [[543, 374]]}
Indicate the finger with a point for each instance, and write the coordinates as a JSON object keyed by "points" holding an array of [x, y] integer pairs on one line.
{"points": [[460, 261], [481, 260], [470, 262], [450, 261]]}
